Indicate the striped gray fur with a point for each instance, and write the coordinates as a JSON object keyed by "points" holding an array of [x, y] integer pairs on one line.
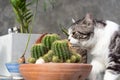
{"points": [[114, 62]]}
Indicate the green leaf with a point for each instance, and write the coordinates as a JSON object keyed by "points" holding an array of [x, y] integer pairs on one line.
{"points": [[65, 31], [45, 6], [28, 18]]}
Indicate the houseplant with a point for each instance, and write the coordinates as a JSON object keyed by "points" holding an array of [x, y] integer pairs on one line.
{"points": [[24, 17], [52, 71], [55, 60], [25, 37]]}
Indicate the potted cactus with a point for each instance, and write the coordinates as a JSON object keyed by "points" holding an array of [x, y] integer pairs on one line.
{"points": [[54, 59], [51, 58], [57, 50]]}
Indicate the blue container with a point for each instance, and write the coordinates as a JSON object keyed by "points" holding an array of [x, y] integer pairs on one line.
{"points": [[13, 67]]}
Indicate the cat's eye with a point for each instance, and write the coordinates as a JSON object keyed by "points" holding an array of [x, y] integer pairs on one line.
{"points": [[79, 35], [84, 36], [88, 24], [84, 22]]}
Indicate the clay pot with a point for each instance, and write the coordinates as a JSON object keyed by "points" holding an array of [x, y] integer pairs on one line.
{"points": [[55, 71]]}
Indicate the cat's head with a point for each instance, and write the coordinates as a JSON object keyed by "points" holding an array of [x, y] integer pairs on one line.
{"points": [[82, 31]]}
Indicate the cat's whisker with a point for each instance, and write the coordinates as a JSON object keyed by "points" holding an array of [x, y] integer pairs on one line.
{"points": [[73, 20]]}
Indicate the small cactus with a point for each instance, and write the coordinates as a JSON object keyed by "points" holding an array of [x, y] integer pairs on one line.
{"points": [[38, 50], [78, 57], [55, 59], [49, 39], [68, 61], [31, 60], [48, 57], [73, 59]]}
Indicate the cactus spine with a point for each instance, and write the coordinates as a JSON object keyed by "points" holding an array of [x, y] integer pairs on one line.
{"points": [[49, 39], [38, 50]]}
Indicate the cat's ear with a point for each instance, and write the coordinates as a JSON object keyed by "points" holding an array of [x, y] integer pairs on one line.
{"points": [[89, 17], [73, 20]]}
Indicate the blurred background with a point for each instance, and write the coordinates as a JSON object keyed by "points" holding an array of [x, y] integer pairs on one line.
{"points": [[52, 14]]}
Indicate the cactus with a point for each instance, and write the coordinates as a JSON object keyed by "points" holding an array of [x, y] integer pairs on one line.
{"points": [[68, 61], [49, 39], [52, 49], [38, 50], [75, 57], [61, 49], [31, 60], [78, 57], [55, 59], [48, 57], [63, 53]]}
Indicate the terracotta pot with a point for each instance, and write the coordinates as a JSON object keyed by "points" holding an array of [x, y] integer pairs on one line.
{"points": [[55, 71]]}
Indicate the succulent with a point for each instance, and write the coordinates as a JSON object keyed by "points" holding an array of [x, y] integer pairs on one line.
{"points": [[48, 57], [49, 39], [61, 49], [55, 59], [52, 49], [31, 60], [78, 57], [63, 53], [38, 50]]}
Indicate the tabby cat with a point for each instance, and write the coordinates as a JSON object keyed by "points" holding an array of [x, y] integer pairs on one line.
{"points": [[102, 41]]}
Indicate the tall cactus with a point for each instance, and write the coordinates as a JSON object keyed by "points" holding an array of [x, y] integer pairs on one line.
{"points": [[38, 50], [49, 39], [61, 49], [62, 52]]}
